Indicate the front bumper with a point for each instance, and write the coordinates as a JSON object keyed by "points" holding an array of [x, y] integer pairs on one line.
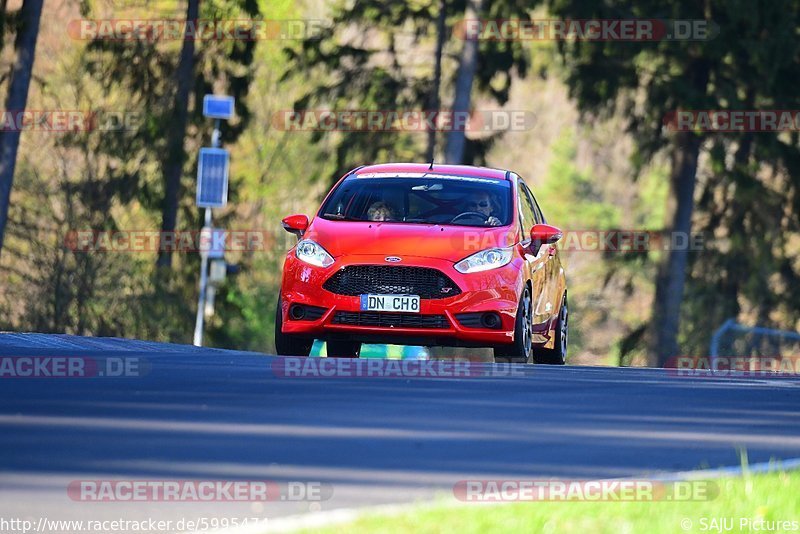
{"points": [[496, 291]]}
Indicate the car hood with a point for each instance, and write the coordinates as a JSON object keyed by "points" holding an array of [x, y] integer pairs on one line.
{"points": [[452, 243]]}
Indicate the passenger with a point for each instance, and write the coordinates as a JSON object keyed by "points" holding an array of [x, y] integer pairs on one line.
{"points": [[381, 211]]}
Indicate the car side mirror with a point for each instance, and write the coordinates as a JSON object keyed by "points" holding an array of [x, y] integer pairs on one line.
{"points": [[295, 224], [545, 234]]}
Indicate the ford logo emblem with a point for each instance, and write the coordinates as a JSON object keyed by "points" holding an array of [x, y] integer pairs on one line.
{"points": [[393, 259]]}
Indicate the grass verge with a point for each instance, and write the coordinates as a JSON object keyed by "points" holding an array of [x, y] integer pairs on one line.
{"points": [[743, 504]]}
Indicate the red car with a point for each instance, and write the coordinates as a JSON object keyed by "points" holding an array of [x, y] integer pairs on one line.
{"points": [[413, 254]]}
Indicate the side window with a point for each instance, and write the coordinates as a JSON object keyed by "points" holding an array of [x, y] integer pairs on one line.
{"points": [[526, 206], [536, 211]]}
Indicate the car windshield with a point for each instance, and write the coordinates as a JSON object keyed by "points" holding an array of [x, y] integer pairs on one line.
{"points": [[444, 200]]}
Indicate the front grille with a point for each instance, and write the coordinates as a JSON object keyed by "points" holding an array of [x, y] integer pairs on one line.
{"points": [[313, 313], [392, 280], [388, 320]]}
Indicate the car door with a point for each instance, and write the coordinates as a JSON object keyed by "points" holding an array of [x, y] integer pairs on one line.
{"points": [[553, 268], [536, 259]]}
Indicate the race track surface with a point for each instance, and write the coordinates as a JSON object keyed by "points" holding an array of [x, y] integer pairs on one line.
{"points": [[207, 414]]}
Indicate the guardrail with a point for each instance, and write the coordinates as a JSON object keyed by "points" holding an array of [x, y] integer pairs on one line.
{"points": [[755, 341]]}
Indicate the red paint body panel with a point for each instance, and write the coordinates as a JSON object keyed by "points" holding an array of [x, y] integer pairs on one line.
{"points": [[433, 246], [496, 290], [452, 243]]}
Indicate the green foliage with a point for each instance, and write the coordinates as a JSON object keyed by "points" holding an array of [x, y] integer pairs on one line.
{"points": [[573, 197], [379, 55], [382, 69], [751, 64], [111, 180]]}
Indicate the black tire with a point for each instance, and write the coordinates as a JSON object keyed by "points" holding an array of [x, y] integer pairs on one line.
{"points": [[287, 344], [558, 354], [520, 350], [344, 349]]}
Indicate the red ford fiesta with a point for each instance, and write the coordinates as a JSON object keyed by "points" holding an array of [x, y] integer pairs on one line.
{"points": [[425, 255]]}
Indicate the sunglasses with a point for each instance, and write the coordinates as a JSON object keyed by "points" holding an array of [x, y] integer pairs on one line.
{"points": [[481, 204]]}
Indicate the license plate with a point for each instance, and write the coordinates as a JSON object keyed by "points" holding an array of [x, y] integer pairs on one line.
{"points": [[390, 303]]}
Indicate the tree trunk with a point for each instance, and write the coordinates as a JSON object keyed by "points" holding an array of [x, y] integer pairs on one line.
{"points": [[176, 155], [665, 321], [672, 273], [17, 100], [434, 105], [456, 139]]}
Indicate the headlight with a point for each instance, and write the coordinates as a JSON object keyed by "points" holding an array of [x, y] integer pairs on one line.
{"points": [[485, 260], [313, 253]]}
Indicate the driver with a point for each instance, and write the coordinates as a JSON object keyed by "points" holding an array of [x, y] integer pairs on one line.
{"points": [[481, 202]]}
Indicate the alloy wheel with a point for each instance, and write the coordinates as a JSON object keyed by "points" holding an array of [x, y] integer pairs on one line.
{"points": [[527, 325], [564, 328]]}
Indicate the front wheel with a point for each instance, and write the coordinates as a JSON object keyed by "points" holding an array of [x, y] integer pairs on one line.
{"points": [[288, 344], [558, 354], [520, 350]]}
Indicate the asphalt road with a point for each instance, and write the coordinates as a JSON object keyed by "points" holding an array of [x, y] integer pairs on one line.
{"points": [[205, 414]]}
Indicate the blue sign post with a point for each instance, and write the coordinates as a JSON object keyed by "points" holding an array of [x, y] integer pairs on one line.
{"points": [[212, 178], [218, 107], [213, 165]]}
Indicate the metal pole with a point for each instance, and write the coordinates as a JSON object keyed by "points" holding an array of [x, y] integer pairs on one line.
{"points": [[201, 298], [215, 135]]}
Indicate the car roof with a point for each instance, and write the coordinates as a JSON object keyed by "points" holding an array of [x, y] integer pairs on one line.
{"points": [[453, 170]]}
